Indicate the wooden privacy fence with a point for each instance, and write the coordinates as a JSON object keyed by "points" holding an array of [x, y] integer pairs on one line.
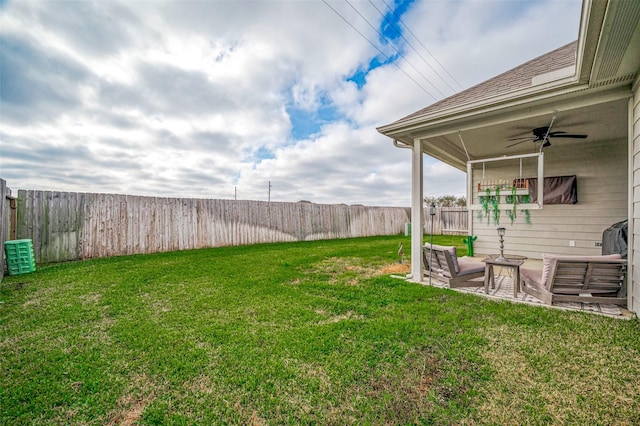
{"points": [[71, 226], [447, 221], [5, 219]]}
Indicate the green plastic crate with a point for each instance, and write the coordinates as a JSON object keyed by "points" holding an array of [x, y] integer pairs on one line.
{"points": [[20, 257]]}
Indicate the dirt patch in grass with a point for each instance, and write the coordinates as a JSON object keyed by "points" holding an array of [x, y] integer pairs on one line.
{"points": [[131, 405], [351, 270], [92, 298], [395, 268], [38, 296], [408, 393], [337, 318]]}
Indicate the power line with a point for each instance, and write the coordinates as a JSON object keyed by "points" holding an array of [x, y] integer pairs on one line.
{"points": [[422, 44], [397, 50], [379, 50], [395, 27]]}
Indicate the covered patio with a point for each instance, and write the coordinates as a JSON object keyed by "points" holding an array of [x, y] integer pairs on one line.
{"points": [[504, 291], [571, 113]]}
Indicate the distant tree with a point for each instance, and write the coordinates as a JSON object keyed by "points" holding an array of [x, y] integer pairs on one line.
{"points": [[446, 201]]}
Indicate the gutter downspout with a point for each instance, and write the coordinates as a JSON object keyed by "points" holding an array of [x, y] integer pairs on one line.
{"points": [[397, 144]]}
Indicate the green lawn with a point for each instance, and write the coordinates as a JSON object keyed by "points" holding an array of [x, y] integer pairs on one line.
{"points": [[298, 333]]}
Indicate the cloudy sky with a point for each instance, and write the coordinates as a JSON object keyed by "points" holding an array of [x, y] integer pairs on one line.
{"points": [[210, 99]]}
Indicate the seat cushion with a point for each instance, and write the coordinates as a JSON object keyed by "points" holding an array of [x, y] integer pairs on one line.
{"points": [[469, 267]]}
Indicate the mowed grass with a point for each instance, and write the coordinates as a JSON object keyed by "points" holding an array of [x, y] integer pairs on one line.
{"points": [[298, 333]]}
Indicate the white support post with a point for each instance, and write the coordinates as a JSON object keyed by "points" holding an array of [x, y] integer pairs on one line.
{"points": [[469, 199], [417, 211]]}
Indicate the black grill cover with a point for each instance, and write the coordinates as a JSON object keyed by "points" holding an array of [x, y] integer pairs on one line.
{"points": [[614, 239]]}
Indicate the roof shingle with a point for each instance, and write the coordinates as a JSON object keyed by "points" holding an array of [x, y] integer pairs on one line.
{"points": [[515, 79]]}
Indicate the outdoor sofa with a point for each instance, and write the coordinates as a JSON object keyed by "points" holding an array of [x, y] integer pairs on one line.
{"points": [[589, 279], [445, 265]]}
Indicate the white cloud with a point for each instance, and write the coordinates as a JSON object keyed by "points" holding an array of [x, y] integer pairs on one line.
{"points": [[192, 99]]}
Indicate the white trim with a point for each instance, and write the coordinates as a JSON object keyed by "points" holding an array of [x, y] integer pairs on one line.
{"points": [[417, 210], [630, 202]]}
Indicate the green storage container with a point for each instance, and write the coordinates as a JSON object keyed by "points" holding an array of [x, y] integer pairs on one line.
{"points": [[20, 257]]}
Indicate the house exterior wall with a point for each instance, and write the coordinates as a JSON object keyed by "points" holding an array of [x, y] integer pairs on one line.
{"points": [[601, 170], [634, 255]]}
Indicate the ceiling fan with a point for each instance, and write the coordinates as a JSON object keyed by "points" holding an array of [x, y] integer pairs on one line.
{"points": [[540, 135]]}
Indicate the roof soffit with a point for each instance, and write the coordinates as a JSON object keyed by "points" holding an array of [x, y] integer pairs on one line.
{"points": [[618, 49], [593, 13]]}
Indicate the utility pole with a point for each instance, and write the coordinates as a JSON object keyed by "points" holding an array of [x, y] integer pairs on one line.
{"points": [[235, 193], [269, 192]]}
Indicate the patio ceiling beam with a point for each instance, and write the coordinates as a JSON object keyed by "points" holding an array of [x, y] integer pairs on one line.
{"points": [[444, 156]]}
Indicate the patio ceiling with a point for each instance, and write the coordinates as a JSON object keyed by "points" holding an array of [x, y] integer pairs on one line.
{"points": [[490, 137]]}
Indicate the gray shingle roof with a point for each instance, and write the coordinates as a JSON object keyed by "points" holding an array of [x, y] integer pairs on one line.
{"points": [[516, 79]]}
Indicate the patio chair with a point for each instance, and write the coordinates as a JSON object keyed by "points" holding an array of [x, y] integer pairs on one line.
{"points": [[588, 279], [449, 268]]}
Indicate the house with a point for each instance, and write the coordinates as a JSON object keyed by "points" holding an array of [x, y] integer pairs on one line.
{"points": [[574, 111]]}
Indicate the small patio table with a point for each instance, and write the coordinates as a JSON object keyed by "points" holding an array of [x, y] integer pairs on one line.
{"points": [[513, 262]]}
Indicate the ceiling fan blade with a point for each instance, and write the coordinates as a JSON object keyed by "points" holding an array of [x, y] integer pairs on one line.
{"points": [[570, 136], [522, 138], [517, 143], [546, 144]]}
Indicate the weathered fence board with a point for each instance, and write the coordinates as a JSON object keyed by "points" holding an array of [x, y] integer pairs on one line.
{"points": [[69, 226], [447, 221], [5, 221]]}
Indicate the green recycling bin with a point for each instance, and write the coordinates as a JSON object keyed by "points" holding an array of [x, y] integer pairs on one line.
{"points": [[20, 257]]}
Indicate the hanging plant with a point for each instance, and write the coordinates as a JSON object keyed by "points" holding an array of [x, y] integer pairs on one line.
{"points": [[527, 214], [490, 203], [495, 204], [486, 207], [485, 200], [513, 200]]}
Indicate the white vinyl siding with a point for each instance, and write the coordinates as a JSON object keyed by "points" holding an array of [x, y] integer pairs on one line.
{"points": [[634, 255], [601, 170]]}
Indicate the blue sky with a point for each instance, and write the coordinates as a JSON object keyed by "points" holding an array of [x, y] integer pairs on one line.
{"points": [[203, 99]]}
